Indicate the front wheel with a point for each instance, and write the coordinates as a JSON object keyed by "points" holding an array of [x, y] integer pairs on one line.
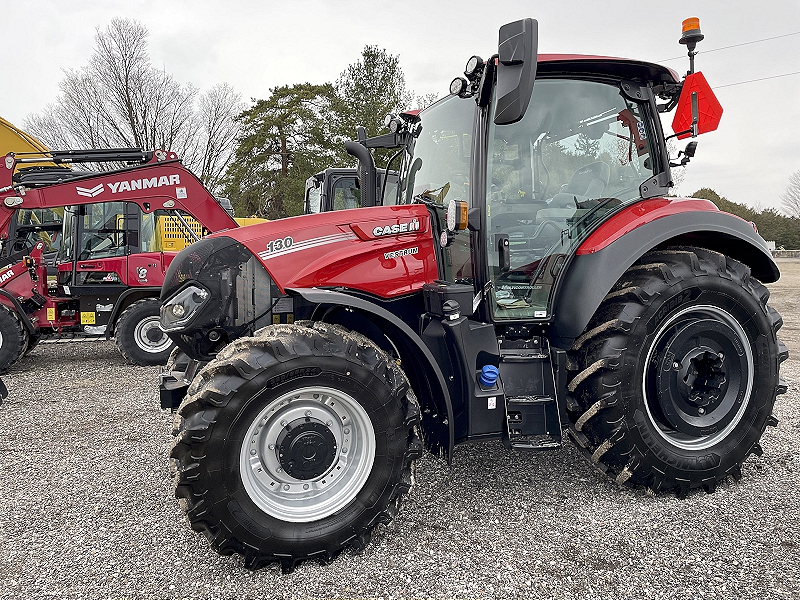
{"points": [[13, 338], [677, 373], [139, 336], [295, 444]]}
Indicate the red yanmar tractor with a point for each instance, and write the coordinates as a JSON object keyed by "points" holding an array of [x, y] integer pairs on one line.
{"points": [[111, 255], [534, 279]]}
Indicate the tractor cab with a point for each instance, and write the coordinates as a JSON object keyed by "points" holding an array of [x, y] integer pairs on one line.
{"points": [[586, 146], [340, 189]]}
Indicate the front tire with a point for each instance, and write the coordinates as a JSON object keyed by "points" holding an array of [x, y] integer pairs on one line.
{"points": [[13, 338], [677, 373], [139, 336], [295, 444]]}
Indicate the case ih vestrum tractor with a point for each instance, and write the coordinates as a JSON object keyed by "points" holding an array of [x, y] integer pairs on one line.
{"points": [[111, 253], [534, 280]]}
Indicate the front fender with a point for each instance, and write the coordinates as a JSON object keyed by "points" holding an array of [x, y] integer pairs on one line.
{"points": [[597, 266], [422, 370]]}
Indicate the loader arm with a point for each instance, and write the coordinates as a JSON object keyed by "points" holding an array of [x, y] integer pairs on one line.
{"points": [[157, 184]]}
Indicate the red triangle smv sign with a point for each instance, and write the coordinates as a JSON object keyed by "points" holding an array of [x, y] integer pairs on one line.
{"points": [[708, 107]]}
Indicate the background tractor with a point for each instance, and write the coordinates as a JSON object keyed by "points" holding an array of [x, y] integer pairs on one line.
{"points": [[535, 279], [112, 235]]}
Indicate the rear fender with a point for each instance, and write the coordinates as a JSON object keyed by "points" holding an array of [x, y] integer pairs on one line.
{"points": [[125, 299], [418, 363], [596, 267]]}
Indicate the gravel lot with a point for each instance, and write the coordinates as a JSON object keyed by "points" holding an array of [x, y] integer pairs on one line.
{"points": [[86, 508]]}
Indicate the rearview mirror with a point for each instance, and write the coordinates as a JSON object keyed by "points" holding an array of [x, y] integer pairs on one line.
{"points": [[516, 69]]}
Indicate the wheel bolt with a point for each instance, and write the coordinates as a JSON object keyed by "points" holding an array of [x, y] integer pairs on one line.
{"points": [[328, 423], [272, 446], [344, 450], [676, 366], [701, 410], [253, 452], [279, 470], [308, 413], [305, 486], [721, 355], [346, 431], [283, 423], [286, 487]]}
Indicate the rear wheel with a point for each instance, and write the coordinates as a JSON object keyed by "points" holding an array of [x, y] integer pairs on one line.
{"points": [[139, 336], [677, 373], [295, 444], [13, 338]]}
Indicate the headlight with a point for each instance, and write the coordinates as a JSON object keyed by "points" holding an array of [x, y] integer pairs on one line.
{"points": [[181, 308]]}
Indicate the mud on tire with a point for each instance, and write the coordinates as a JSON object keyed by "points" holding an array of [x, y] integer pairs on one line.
{"points": [[674, 380], [294, 444]]}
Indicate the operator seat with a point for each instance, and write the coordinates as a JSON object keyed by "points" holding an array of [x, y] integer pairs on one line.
{"points": [[587, 183]]}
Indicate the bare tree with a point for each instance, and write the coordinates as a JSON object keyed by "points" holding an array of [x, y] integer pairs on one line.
{"points": [[791, 198], [120, 100]]}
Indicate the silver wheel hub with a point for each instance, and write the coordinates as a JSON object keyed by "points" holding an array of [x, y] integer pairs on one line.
{"points": [[307, 454], [149, 336]]}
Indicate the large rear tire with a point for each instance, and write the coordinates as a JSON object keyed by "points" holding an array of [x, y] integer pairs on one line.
{"points": [[139, 336], [295, 444], [13, 338], [677, 373]]}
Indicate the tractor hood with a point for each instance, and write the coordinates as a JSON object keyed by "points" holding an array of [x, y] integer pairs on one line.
{"points": [[231, 284], [386, 251]]}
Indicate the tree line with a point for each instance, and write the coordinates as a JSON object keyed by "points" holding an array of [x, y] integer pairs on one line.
{"points": [[771, 224], [258, 157]]}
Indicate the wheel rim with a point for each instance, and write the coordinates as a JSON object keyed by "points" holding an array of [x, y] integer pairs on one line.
{"points": [[149, 336], [307, 454], [698, 377]]}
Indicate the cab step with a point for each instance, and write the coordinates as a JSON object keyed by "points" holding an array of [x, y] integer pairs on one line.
{"points": [[532, 423]]}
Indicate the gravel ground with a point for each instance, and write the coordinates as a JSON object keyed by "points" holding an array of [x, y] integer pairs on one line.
{"points": [[86, 508]]}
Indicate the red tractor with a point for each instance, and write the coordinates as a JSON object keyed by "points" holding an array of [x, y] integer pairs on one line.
{"points": [[111, 255], [535, 279]]}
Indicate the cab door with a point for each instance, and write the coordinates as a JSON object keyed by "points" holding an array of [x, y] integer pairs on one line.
{"points": [[106, 234]]}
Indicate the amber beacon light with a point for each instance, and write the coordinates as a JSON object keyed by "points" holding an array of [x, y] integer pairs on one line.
{"points": [[690, 35]]}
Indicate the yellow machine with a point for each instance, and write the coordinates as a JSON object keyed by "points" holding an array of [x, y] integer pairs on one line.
{"points": [[15, 140]]}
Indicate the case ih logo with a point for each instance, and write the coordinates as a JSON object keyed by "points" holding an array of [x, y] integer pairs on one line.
{"points": [[143, 184], [396, 228], [7, 275], [90, 192]]}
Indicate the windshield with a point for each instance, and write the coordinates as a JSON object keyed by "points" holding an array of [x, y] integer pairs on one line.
{"points": [[439, 170], [581, 150], [439, 167]]}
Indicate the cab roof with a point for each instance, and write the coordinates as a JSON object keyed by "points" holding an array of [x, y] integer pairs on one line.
{"points": [[625, 68]]}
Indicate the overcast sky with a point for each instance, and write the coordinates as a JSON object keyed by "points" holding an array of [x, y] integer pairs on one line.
{"points": [[256, 45]]}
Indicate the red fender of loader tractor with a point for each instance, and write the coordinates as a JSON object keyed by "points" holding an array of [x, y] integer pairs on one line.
{"points": [[107, 234], [534, 281]]}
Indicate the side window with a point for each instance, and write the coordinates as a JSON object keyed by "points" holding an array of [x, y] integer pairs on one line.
{"points": [[103, 231], [32, 226]]}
